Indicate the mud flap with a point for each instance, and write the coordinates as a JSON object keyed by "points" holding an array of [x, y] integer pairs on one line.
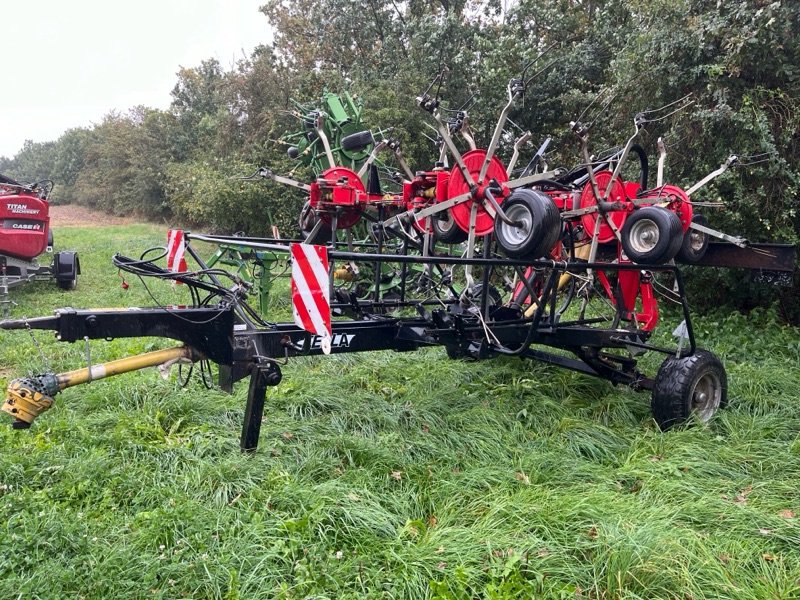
{"points": [[66, 267]]}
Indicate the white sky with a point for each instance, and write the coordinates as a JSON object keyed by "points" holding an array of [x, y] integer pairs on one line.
{"points": [[67, 63]]}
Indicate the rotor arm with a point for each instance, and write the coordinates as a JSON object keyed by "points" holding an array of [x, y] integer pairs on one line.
{"points": [[518, 144], [516, 87], [466, 132], [662, 156], [268, 174], [319, 123], [371, 158], [395, 147], [638, 124], [729, 162], [431, 105], [451, 146]]}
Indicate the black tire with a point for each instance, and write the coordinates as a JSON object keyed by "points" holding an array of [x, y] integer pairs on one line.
{"points": [[493, 298], [67, 284], [50, 238], [695, 243], [355, 142], [539, 229], [696, 385], [446, 230], [652, 235], [307, 221], [65, 268]]}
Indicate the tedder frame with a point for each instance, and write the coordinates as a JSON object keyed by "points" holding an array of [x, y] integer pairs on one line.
{"points": [[471, 324]]}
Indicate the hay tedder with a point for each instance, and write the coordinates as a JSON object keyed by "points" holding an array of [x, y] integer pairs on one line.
{"points": [[25, 235], [481, 258]]}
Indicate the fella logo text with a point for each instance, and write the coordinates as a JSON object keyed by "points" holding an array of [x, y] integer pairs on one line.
{"points": [[339, 340]]}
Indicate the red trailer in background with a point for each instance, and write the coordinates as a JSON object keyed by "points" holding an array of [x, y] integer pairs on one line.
{"points": [[25, 235]]}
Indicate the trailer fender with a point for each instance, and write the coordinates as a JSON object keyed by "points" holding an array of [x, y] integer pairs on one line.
{"points": [[66, 268]]}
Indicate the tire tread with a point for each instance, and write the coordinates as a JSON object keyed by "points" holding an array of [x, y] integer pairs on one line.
{"points": [[670, 405]]}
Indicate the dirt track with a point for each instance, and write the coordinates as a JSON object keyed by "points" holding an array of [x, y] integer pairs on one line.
{"points": [[79, 216]]}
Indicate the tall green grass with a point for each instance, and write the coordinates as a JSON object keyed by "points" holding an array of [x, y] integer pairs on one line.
{"points": [[391, 475]]}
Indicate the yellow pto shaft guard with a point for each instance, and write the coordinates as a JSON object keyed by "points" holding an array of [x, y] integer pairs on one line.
{"points": [[28, 397]]}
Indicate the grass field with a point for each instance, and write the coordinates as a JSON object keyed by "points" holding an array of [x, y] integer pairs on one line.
{"points": [[393, 475]]}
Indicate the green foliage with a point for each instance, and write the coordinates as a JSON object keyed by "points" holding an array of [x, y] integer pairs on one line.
{"points": [[70, 154], [33, 163], [125, 160], [211, 193], [739, 61]]}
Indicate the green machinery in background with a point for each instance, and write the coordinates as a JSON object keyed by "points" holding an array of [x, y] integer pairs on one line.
{"points": [[331, 133]]}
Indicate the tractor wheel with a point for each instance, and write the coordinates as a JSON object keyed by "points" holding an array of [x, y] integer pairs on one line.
{"points": [[308, 219], [695, 243], [652, 235], [355, 142], [446, 230], [693, 385], [538, 225]]}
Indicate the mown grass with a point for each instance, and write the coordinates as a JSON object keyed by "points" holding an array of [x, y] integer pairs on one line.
{"points": [[392, 475]]}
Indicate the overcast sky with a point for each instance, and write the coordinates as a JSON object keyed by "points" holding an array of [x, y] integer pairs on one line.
{"points": [[67, 63]]}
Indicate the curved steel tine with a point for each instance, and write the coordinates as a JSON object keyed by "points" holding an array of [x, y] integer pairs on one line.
{"points": [[669, 114], [253, 176], [535, 60], [515, 125], [676, 143], [468, 103], [755, 159], [601, 110], [429, 138], [683, 99], [382, 133], [438, 78], [540, 71], [683, 103], [291, 113], [599, 95]]}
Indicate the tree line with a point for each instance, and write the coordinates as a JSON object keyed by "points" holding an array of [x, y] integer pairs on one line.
{"points": [[739, 60]]}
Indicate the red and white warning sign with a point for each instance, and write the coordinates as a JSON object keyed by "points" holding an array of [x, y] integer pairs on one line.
{"points": [[176, 248], [311, 302]]}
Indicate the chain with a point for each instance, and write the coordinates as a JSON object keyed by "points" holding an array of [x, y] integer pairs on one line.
{"points": [[45, 362], [88, 351]]}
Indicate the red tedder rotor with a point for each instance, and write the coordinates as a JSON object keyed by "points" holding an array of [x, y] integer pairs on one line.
{"points": [[473, 160], [339, 191]]}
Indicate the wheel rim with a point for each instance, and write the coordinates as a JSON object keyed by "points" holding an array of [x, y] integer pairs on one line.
{"points": [[446, 224], [644, 236], [706, 396], [697, 240], [517, 235]]}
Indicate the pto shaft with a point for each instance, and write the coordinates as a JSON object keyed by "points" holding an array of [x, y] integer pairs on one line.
{"points": [[28, 397]]}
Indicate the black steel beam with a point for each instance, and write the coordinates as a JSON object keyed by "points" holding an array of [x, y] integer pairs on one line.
{"points": [[772, 257], [208, 330]]}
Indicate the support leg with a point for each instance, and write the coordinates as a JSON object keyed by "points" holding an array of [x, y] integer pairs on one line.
{"points": [[262, 377]]}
